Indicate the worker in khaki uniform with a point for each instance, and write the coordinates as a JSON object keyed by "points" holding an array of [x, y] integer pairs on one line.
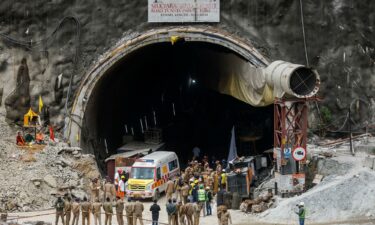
{"points": [[68, 210], [129, 209], [137, 214], [197, 213], [96, 210], [107, 206], [225, 217], [220, 210], [95, 188], [181, 213], [189, 212], [59, 206], [120, 211], [109, 190], [75, 210], [185, 192], [85, 209], [170, 189]]}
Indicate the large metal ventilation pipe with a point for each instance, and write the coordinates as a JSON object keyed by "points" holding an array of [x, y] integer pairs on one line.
{"points": [[291, 79]]}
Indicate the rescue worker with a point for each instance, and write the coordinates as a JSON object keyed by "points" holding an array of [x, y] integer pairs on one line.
{"points": [[218, 167], [120, 211], [121, 187], [179, 184], [301, 213], [181, 213], [59, 206], [129, 209], [177, 215], [223, 180], [171, 211], [109, 190], [185, 192], [117, 177], [189, 212], [138, 210], [225, 217], [96, 210], [107, 206], [95, 187], [220, 210], [75, 210], [155, 209], [208, 201], [202, 199], [197, 213], [85, 209], [216, 182], [68, 210], [170, 189], [194, 192]]}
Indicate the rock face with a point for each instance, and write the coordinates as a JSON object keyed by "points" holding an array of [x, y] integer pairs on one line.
{"points": [[18, 102], [340, 42]]}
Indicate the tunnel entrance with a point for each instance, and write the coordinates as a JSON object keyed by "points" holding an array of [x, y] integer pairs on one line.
{"points": [[173, 82]]}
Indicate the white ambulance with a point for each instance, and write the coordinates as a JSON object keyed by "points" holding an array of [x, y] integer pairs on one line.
{"points": [[150, 174]]}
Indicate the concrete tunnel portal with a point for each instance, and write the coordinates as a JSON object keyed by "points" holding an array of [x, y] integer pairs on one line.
{"points": [[177, 82]]}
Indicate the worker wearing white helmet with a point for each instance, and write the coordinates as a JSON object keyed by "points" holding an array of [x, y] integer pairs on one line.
{"points": [[301, 213]]}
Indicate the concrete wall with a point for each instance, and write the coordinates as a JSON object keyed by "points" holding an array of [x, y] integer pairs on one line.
{"points": [[340, 42]]}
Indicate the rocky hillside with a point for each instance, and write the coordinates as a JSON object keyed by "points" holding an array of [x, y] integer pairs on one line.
{"points": [[61, 39]]}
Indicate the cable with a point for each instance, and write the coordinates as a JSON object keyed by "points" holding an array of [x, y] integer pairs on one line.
{"points": [[303, 33]]}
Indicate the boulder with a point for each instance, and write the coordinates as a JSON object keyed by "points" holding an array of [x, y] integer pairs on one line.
{"points": [[50, 181]]}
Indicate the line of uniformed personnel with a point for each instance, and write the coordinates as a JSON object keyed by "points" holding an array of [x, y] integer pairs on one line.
{"points": [[65, 208]]}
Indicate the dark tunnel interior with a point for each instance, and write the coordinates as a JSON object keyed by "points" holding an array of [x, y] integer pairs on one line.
{"points": [[171, 80]]}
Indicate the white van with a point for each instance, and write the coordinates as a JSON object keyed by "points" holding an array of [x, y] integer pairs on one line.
{"points": [[150, 174]]}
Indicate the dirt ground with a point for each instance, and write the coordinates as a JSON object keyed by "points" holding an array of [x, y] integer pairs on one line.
{"points": [[48, 216]]}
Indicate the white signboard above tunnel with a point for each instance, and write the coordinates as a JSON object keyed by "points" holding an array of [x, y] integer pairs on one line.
{"points": [[177, 11]]}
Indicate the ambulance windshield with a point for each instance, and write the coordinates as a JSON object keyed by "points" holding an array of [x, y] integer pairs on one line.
{"points": [[142, 173]]}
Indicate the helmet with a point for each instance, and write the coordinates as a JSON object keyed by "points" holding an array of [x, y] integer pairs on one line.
{"points": [[196, 181], [201, 186], [207, 188], [301, 204], [122, 176], [223, 170]]}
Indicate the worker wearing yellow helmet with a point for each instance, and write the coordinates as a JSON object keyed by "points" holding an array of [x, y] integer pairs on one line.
{"points": [[121, 187]]}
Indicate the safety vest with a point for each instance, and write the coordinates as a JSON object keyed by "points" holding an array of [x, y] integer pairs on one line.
{"points": [[223, 178], [201, 195], [191, 188]]}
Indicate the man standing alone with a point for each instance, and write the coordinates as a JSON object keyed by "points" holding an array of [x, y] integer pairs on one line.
{"points": [[155, 209], [301, 213]]}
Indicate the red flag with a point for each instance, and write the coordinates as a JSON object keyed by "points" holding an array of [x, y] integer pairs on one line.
{"points": [[51, 134]]}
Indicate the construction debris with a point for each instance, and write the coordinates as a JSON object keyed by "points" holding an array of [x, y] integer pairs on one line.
{"points": [[31, 180]]}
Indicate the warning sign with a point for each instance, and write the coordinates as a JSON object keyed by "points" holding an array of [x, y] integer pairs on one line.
{"points": [[299, 153], [177, 11]]}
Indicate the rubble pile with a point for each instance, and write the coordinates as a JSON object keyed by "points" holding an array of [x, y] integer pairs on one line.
{"points": [[258, 205], [324, 202], [28, 185]]}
